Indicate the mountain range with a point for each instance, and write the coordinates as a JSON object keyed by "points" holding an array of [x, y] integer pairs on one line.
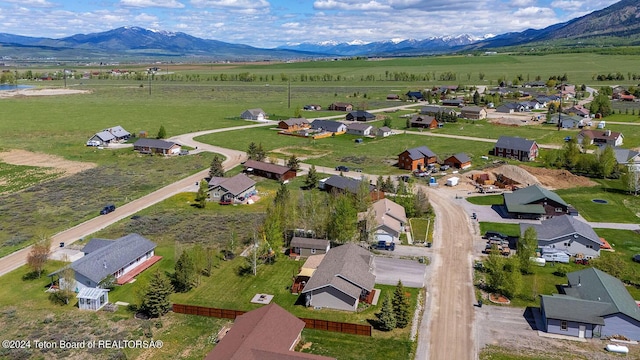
{"points": [[617, 24]]}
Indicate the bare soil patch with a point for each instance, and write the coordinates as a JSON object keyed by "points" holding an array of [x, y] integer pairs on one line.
{"points": [[558, 179], [516, 119], [59, 164], [41, 92]]}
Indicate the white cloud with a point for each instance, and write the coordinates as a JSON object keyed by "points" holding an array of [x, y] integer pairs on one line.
{"points": [[521, 3], [571, 5], [532, 11], [146, 18], [353, 5], [233, 4], [173, 4], [33, 3]]}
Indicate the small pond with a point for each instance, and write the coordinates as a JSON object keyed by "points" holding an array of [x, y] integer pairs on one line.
{"points": [[7, 87], [600, 201]]}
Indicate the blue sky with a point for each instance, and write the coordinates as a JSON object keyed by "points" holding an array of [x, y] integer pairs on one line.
{"points": [[270, 23]]}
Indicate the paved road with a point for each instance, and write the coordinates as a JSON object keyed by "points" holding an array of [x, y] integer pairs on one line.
{"points": [[462, 137], [447, 330]]}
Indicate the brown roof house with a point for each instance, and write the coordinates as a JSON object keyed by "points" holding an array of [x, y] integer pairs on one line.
{"points": [[305, 247], [473, 112], [458, 161], [268, 170], [342, 280], [266, 333], [235, 189], [516, 148], [156, 146], [389, 220], [294, 124], [600, 137], [424, 121], [341, 106], [416, 158], [343, 184]]}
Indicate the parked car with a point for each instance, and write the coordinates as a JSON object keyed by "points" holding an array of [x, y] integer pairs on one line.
{"points": [[636, 258], [494, 234], [444, 167], [183, 152], [107, 209], [342, 168], [404, 178]]}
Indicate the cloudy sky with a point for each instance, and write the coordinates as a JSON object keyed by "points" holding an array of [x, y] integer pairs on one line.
{"points": [[270, 23]]}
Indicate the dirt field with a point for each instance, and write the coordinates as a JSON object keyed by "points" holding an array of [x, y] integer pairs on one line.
{"points": [[41, 92], [23, 157], [516, 119], [549, 178]]}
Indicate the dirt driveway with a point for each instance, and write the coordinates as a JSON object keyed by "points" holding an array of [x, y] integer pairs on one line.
{"points": [[389, 270]]}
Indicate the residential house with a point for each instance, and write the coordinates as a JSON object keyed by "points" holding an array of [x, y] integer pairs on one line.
{"points": [[341, 106], [235, 189], [294, 124], [389, 220], [577, 110], [532, 84], [534, 202], [337, 183], [342, 280], [516, 148], [568, 91], [626, 156], [433, 110], [414, 95], [424, 121], [511, 107], [331, 126], [393, 97], [384, 131], [593, 304], [254, 114], [123, 258], [458, 161], [156, 146], [416, 158], [473, 112], [312, 107], [269, 332], [453, 102], [600, 137], [622, 94], [566, 234], [102, 138], [360, 115], [359, 129], [305, 247], [268, 170]]}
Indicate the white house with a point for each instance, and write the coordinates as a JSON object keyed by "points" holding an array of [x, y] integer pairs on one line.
{"points": [[389, 220], [254, 114], [359, 129], [566, 234]]}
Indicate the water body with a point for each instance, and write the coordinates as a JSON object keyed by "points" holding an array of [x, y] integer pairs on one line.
{"points": [[7, 87]]}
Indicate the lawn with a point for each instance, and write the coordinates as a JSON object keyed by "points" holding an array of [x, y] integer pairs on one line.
{"points": [[620, 207], [504, 228], [421, 230], [375, 156], [487, 200], [18, 177]]}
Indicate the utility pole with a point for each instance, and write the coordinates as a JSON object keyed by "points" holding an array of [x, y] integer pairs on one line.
{"points": [[289, 95]]}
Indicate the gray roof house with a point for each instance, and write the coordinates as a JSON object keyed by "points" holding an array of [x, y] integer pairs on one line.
{"points": [[305, 247], [106, 136], [626, 156], [235, 189], [567, 234], [359, 129], [435, 109], [156, 146], [594, 304], [342, 183], [254, 114], [534, 202], [516, 148], [123, 258], [360, 115], [342, 280], [329, 126], [384, 131]]}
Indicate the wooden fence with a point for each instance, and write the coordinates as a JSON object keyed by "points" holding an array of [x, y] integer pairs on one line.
{"points": [[347, 328]]}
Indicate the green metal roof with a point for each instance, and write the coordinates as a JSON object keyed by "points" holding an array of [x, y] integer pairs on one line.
{"points": [[520, 201], [563, 307]]}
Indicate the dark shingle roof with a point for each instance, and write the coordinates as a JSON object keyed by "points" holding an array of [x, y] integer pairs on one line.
{"points": [[296, 121], [623, 156], [102, 262], [327, 125], [360, 114], [155, 143], [345, 183], [105, 136], [346, 268], [514, 143], [462, 157], [268, 167], [95, 244], [561, 226], [420, 152]]}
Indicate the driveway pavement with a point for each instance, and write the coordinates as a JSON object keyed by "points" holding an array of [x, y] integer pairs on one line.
{"points": [[389, 270]]}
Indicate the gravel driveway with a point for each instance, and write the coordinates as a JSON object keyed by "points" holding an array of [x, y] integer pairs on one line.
{"points": [[389, 270]]}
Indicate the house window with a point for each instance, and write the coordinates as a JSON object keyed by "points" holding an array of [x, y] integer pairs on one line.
{"points": [[558, 209], [313, 251], [564, 326]]}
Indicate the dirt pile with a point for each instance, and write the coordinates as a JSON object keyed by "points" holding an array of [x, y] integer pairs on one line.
{"points": [[558, 179], [516, 173]]}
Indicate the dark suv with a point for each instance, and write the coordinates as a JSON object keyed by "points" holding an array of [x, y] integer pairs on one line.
{"points": [[342, 168], [107, 209]]}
